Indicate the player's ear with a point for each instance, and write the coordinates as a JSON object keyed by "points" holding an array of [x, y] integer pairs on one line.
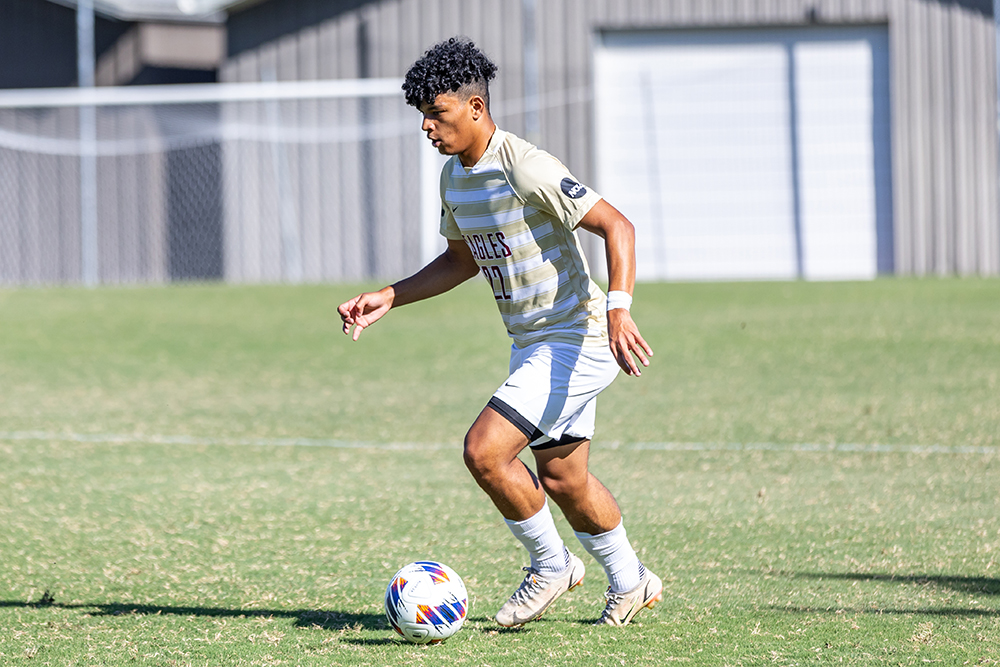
{"points": [[478, 107]]}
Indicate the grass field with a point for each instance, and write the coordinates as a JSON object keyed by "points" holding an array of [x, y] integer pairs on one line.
{"points": [[211, 475]]}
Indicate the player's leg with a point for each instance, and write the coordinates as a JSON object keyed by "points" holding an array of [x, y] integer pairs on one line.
{"points": [[596, 519], [588, 505], [491, 449], [590, 509]]}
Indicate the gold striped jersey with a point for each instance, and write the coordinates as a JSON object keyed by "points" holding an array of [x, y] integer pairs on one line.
{"points": [[517, 210]]}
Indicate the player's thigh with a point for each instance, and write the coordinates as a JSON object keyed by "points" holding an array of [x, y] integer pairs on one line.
{"points": [[493, 440]]}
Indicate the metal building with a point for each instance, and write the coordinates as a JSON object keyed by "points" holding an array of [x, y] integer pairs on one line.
{"points": [[143, 234], [745, 138]]}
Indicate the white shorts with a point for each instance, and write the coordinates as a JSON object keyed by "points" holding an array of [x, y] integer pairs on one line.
{"points": [[551, 394]]}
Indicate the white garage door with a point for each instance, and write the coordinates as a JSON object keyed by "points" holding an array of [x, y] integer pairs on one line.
{"points": [[744, 154]]}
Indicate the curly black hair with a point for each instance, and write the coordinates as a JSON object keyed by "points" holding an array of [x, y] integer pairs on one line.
{"points": [[449, 67]]}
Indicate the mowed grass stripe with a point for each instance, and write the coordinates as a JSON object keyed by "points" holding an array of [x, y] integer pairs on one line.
{"points": [[908, 362], [215, 555]]}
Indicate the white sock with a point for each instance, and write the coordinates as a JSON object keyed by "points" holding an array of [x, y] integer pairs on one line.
{"points": [[614, 553], [539, 536]]}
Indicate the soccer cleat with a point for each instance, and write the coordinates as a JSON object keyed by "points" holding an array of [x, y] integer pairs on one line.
{"points": [[538, 591], [622, 607]]}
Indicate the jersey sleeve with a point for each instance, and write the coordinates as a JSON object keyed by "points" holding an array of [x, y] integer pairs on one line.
{"points": [[449, 227], [544, 183]]}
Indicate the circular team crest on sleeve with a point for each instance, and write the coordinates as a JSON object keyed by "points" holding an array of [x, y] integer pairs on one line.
{"points": [[572, 189]]}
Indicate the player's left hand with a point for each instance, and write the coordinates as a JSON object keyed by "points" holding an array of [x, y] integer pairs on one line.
{"points": [[626, 342]]}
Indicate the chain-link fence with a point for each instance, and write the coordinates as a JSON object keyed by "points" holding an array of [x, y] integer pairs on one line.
{"points": [[239, 182]]}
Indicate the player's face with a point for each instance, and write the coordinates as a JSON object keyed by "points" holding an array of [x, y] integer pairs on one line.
{"points": [[450, 123]]}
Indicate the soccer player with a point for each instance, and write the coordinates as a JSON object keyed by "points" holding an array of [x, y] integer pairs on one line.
{"points": [[509, 212]]}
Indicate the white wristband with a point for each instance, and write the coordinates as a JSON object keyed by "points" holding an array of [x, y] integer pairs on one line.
{"points": [[619, 299]]}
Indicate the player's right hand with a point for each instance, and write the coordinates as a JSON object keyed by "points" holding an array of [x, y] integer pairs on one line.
{"points": [[364, 310]]}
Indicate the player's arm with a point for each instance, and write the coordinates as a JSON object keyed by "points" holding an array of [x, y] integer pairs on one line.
{"points": [[451, 268], [619, 245]]}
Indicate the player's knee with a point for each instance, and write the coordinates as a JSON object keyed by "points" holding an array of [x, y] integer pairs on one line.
{"points": [[478, 458]]}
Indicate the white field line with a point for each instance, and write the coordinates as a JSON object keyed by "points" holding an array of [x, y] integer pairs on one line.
{"points": [[125, 438]]}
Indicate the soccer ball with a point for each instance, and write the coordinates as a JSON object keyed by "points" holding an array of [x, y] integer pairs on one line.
{"points": [[426, 602]]}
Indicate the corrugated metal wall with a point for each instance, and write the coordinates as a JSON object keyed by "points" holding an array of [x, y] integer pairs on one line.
{"points": [[322, 209], [48, 250], [943, 77], [40, 236]]}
